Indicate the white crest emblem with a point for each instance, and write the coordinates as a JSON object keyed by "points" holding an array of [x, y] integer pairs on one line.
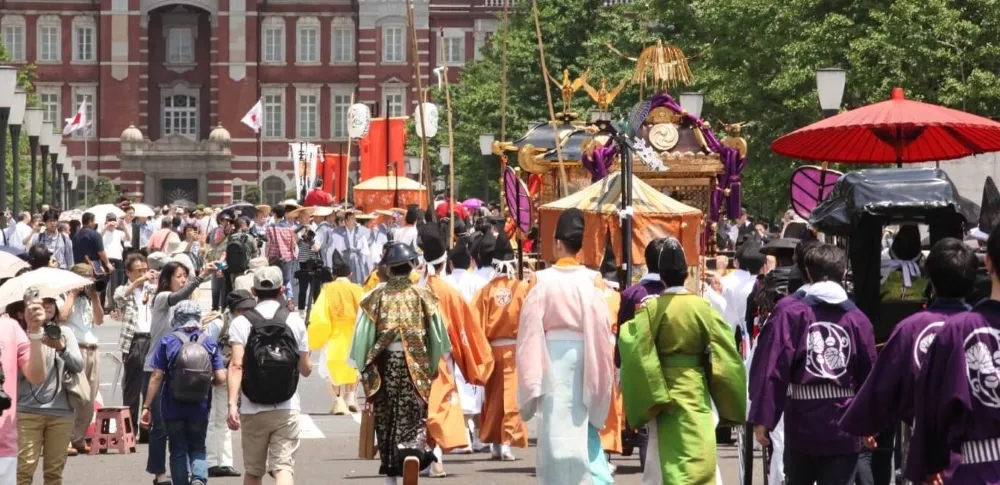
{"points": [[924, 341], [503, 297], [982, 356], [828, 350]]}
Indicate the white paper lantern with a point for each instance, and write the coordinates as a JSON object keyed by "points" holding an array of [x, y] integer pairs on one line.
{"points": [[359, 118], [430, 124]]}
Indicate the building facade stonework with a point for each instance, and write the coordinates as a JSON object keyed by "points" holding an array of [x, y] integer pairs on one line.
{"points": [[166, 82]]}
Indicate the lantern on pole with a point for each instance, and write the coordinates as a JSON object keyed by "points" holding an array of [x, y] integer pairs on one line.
{"points": [[359, 118], [430, 124]]}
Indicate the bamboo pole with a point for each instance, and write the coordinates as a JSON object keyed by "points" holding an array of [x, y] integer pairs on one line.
{"points": [[451, 156], [347, 161], [503, 76], [425, 172], [563, 181]]}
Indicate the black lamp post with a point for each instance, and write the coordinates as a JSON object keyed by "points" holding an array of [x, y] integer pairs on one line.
{"points": [[55, 147], [15, 120], [8, 84], [45, 146], [33, 126], [486, 149]]}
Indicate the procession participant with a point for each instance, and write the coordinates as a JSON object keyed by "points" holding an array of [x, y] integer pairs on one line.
{"points": [[331, 326], [323, 242], [460, 277], [364, 221], [565, 363], [483, 246], [499, 304], [470, 355], [813, 355], [317, 196], [407, 234], [352, 243], [700, 367], [399, 340], [955, 414], [611, 434], [738, 286], [887, 394], [379, 235]]}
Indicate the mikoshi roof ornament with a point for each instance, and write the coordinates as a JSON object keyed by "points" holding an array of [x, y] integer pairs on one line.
{"points": [[359, 118], [659, 67]]}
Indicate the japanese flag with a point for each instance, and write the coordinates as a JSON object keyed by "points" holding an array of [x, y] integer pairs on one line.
{"points": [[78, 122], [255, 117]]}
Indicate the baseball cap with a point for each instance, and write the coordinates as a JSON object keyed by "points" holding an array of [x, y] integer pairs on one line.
{"points": [[267, 279], [240, 300]]}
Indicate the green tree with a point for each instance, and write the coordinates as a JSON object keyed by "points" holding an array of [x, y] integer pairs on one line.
{"points": [[104, 192], [26, 80], [251, 194]]}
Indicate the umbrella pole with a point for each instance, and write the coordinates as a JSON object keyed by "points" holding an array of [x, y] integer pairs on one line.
{"points": [[822, 180], [346, 162], [451, 157]]}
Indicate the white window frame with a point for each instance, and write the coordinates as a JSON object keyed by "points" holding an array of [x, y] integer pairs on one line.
{"points": [[398, 92], [273, 105], [48, 27], [273, 25], [181, 90], [50, 100], [90, 91], [238, 185], [19, 28], [301, 130], [342, 41], [448, 54], [388, 52], [307, 27], [340, 104], [81, 23], [182, 60]]}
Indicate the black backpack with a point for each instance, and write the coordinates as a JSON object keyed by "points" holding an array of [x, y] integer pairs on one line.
{"points": [[237, 257], [271, 359], [190, 370]]}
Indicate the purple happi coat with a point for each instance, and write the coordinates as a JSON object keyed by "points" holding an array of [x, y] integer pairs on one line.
{"points": [[958, 401], [810, 360]]}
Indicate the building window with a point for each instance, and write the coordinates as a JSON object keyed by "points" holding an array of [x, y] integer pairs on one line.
{"points": [[85, 96], [274, 40], [392, 44], [453, 48], [340, 104], [394, 99], [274, 112], [237, 190], [180, 45], [49, 38], [273, 189], [48, 98], [307, 40], [13, 36], [343, 41], [180, 115], [308, 126], [83, 39]]}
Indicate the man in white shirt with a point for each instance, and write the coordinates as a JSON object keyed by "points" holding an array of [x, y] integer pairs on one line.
{"points": [[270, 432], [114, 246], [19, 235]]}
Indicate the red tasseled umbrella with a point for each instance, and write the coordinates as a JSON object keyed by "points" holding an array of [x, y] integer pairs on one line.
{"points": [[898, 130], [443, 210]]}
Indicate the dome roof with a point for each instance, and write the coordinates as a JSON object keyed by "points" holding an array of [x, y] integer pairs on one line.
{"points": [[132, 135], [219, 135]]}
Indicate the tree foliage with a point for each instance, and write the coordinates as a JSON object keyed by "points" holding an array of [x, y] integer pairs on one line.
{"points": [[104, 192], [755, 60], [26, 80]]}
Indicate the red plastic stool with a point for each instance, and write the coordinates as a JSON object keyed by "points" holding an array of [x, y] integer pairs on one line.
{"points": [[122, 439]]}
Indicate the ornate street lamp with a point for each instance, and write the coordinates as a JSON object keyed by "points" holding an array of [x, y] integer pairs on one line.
{"points": [[830, 86], [8, 84], [32, 125], [58, 162], [486, 149], [692, 103], [67, 164], [55, 146], [15, 120], [44, 147]]}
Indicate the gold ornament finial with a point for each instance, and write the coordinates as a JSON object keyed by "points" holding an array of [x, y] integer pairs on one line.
{"points": [[568, 88], [603, 97]]}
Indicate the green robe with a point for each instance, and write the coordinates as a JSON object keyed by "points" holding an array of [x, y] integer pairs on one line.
{"points": [[666, 352]]}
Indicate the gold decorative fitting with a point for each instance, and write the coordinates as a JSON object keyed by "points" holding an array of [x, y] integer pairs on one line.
{"points": [[726, 192], [567, 88], [661, 67], [661, 115], [500, 147], [527, 158], [602, 97]]}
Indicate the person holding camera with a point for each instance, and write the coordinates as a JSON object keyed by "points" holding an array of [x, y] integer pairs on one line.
{"points": [[45, 413], [135, 335], [58, 244], [81, 312]]}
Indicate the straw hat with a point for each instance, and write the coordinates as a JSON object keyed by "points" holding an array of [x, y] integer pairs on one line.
{"points": [[323, 212]]}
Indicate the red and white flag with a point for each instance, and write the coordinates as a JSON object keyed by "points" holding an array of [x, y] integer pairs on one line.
{"points": [[78, 122], [255, 117]]}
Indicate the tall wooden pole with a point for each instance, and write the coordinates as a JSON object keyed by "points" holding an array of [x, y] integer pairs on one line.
{"points": [[563, 180], [451, 156], [347, 161], [425, 172]]}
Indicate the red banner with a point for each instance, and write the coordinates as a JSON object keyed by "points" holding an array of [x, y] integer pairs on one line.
{"points": [[373, 147], [334, 174]]}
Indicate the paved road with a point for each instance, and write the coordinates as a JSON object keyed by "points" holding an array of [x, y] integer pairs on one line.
{"points": [[329, 454]]}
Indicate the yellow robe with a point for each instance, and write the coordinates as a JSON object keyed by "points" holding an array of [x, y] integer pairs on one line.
{"points": [[372, 281], [332, 326]]}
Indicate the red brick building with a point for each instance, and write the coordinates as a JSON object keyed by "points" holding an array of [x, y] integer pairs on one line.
{"points": [[161, 77]]}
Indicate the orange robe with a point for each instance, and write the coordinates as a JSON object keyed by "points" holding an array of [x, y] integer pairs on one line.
{"points": [[499, 307], [470, 351], [611, 435]]}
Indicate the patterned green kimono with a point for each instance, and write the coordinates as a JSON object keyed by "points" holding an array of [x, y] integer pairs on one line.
{"points": [[667, 350]]}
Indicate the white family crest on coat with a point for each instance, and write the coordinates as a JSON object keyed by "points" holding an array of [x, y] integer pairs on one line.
{"points": [[924, 341], [502, 297], [982, 360], [828, 350]]}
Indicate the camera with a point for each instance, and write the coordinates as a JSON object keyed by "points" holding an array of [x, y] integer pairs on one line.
{"points": [[52, 331]]}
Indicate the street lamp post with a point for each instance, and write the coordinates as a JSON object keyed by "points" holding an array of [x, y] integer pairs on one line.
{"points": [[54, 149], [692, 103], [486, 149], [8, 83], [15, 120], [444, 153], [830, 84], [32, 125], [64, 186], [45, 145], [57, 176]]}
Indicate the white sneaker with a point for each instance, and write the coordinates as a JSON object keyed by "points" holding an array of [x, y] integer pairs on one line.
{"points": [[505, 453], [463, 451], [612, 468], [495, 452], [390, 481]]}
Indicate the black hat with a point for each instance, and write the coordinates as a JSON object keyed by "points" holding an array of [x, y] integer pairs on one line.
{"points": [[569, 227], [338, 266], [785, 245], [496, 220], [672, 260], [797, 230], [460, 257], [483, 246], [413, 214], [240, 300], [989, 210], [460, 227], [431, 243], [906, 244], [503, 251], [397, 253]]}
